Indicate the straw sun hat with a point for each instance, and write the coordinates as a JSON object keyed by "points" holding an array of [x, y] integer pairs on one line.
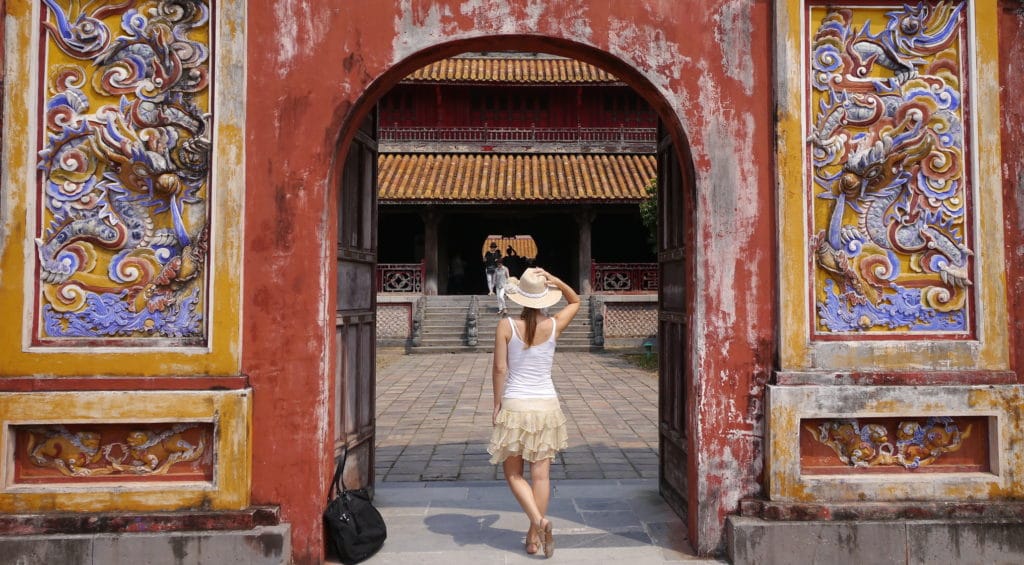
{"points": [[532, 290]]}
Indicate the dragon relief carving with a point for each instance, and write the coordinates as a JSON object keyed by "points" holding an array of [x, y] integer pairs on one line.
{"points": [[887, 154], [83, 454], [912, 446], [125, 168]]}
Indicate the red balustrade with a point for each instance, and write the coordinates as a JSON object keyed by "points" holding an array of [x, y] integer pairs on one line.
{"points": [[400, 277], [624, 277]]}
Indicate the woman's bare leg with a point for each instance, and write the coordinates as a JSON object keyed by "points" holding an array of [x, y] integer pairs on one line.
{"points": [[513, 467], [540, 476]]}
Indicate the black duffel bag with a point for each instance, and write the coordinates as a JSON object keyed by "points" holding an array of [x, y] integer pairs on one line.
{"points": [[354, 527]]}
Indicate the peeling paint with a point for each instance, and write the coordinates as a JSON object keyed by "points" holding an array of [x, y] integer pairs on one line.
{"points": [[733, 34], [416, 30], [287, 35], [501, 16], [494, 14], [731, 195], [300, 28], [661, 61], [1020, 196]]}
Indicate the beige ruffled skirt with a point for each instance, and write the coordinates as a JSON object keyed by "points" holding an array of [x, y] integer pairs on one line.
{"points": [[531, 427]]}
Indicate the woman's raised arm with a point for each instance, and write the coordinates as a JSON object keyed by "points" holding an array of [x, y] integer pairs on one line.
{"points": [[565, 315]]}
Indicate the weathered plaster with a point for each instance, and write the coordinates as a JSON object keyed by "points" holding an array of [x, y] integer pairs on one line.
{"points": [[733, 35], [990, 351], [229, 411], [788, 405], [416, 30], [659, 60], [290, 214], [1011, 57]]}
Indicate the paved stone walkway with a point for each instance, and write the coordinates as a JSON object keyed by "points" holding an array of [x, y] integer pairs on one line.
{"points": [[479, 523], [434, 418], [444, 503]]}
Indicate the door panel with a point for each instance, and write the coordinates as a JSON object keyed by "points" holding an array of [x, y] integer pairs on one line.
{"points": [[355, 380], [672, 328]]}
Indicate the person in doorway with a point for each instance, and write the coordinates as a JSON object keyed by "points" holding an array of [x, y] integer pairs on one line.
{"points": [[490, 264], [457, 272], [528, 421], [513, 261], [500, 280]]}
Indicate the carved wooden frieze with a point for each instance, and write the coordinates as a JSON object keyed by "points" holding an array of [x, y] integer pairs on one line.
{"points": [[124, 168], [888, 185], [66, 453]]}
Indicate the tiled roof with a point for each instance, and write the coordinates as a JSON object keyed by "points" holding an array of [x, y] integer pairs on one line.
{"points": [[539, 71], [426, 177]]}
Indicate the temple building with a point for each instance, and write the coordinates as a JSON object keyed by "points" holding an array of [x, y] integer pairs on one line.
{"points": [[192, 256], [514, 144]]}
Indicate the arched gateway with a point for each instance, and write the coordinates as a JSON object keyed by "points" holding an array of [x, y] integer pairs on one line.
{"points": [[356, 255], [187, 248]]}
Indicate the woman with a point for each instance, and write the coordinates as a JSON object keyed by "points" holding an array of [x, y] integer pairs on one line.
{"points": [[528, 422], [500, 282]]}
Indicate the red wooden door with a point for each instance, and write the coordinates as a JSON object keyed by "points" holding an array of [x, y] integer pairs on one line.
{"points": [[355, 335], [673, 336]]}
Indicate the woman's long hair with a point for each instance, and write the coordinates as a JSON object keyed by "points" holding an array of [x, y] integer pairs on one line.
{"points": [[529, 316]]}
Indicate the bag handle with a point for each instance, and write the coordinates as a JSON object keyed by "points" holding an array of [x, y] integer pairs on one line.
{"points": [[338, 475]]}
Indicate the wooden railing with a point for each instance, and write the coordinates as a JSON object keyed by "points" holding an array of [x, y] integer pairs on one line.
{"points": [[624, 277], [400, 277], [629, 136]]}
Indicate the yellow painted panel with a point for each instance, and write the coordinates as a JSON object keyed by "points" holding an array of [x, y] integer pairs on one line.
{"points": [[229, 411], [789, 405], [221, 353], [800, 214]]}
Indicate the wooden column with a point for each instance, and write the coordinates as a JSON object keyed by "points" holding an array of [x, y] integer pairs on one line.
{"points": [[431, 220], [584, 217]]}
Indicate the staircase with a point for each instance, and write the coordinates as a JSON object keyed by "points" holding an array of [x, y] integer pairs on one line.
{"points": [[444, 325]]}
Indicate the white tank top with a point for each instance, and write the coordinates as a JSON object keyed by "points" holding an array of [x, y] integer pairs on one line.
{"points": [[529, 369]]}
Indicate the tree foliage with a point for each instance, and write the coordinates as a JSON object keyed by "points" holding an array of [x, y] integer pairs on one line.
{"points": [[649, 213]]}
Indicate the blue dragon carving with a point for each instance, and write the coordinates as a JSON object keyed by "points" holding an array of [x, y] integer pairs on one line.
{"points": [[887, 150], [124, 184]]}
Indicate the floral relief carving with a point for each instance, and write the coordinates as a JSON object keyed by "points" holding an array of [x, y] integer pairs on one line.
{"points": [[912, 446], [140, 451]]}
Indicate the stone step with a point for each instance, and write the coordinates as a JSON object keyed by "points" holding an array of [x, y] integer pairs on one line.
{"points": [[446, 324], [490, 328], [450, 343], [483, 347], [443, 328]]}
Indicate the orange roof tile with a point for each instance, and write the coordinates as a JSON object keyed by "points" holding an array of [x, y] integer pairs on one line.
{"points": [[541, 71], [449, 177]]}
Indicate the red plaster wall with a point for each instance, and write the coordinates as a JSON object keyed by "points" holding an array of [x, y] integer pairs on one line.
{"points": [[1011, 75], [3, 66], [704, 65]]}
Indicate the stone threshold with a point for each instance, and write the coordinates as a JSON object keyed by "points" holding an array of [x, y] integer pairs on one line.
{"points": [[51, 523], [881, 511]]}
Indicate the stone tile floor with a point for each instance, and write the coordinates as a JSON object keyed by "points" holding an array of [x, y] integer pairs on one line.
{"points": [[434, 418], [595, 522], [445, 504]]}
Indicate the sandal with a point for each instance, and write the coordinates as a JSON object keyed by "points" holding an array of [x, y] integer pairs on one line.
{"points": [[549, 538], [532, 541]]}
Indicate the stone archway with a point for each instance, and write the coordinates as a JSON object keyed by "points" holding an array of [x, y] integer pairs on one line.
{"points": [[354, 372], [305, 102]]}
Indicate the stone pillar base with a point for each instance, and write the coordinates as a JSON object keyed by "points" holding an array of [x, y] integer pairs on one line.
{"points": [[935, 542], [251, 536]]}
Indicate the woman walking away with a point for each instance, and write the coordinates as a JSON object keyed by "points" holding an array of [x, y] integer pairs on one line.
{"points": [[500, 282], [528, 422]]}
